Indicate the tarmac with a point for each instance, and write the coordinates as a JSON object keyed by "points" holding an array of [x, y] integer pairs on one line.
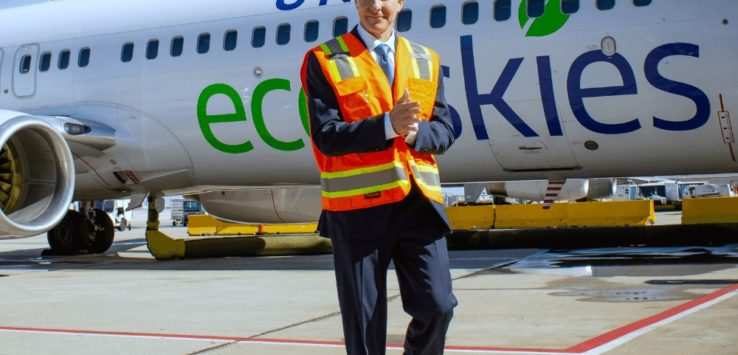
{"points": [[618, 299]]}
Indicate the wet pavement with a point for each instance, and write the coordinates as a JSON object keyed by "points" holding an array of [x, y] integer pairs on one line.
{"points": [[616, 300]]}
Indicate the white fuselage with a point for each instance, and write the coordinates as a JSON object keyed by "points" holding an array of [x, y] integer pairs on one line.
{"points": [[553, 106]]}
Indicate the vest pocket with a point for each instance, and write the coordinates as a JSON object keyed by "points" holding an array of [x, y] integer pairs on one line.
{"points": [[424, 92], [353, 97]]}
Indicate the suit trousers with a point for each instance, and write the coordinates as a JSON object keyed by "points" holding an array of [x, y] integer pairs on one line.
{"points": [[414, 241]]}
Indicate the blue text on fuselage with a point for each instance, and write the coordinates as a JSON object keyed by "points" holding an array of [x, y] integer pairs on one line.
{"points": [[577, 93], [286, 5]]}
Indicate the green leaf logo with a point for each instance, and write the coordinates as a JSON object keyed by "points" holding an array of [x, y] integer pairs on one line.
{"points": [[551, 21]]}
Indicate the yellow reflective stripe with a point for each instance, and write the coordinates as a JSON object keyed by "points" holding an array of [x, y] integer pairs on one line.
{"points": [[326, 49], [343, 44], [360, 171], [365, 190], [425, 168], [416, 70], [354, 68], [333, 69], [431, 187]]}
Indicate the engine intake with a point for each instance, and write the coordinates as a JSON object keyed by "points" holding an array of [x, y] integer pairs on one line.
{"points": [[36, 175]]}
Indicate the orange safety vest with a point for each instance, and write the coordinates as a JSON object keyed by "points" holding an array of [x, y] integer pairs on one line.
{"points": [[361, 180]]}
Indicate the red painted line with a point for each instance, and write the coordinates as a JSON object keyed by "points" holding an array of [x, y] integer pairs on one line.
{"points": [[170, 336], [625, 330], [576, 349]]}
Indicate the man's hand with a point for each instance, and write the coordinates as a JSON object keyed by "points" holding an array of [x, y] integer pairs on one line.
{"points": [[403, 116]]}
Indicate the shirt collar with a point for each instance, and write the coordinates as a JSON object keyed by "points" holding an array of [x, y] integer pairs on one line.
{"points": [[372, 42]]}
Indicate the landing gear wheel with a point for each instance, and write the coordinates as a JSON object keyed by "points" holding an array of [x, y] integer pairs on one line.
{"points": [[71, 235], [104, 233], [123, 225]]}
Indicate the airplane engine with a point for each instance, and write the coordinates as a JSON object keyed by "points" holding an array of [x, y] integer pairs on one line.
{"points": [[36, 175], [265, 205], [535, 190]]}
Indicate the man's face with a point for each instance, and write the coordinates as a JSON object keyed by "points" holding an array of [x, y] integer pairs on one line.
{"points": [[378, 16]]}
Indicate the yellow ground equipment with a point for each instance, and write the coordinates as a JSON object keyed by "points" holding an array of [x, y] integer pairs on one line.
{"points": [[710, 210]]}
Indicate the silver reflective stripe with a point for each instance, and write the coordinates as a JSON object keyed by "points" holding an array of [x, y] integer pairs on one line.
{"points": [[343, 63], [334, 46], [426, 177], [423, 61], [355, 182]]}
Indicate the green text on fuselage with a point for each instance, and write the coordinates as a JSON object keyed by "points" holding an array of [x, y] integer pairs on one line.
{"points": [[207, 120]]}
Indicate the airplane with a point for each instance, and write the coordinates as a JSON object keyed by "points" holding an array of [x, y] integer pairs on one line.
{"points": [[142, 99]]}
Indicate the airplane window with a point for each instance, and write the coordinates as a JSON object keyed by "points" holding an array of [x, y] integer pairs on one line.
{"points": [[641, 2], [45, 63], [230, 40], [152, 49], [340, 26], [64, 58], [404, 20], [84, 57], [283, 34], [258, 38], [177, 46], [203, 43], [605, 4], [470, 13], [127, 53], [311, 30], [25, 64], [438, 16], [535, 8], [502, 10], [569, 6]]}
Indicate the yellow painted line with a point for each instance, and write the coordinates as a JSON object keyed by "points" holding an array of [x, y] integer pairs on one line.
{"points": [[710, 210]]}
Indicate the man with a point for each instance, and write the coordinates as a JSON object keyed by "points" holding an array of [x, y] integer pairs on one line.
{"points": [[377, 115]]}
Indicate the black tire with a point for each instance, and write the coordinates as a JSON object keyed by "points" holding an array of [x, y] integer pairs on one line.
{"points": [[103, 237], [71, 235], [123, 225]]}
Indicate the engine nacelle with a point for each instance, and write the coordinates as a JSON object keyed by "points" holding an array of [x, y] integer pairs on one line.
{"points": [[601, 188], [36, 175], [535, 190], [265, 205]]}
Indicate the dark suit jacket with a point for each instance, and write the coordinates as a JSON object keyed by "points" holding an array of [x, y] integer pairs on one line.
{"points": [[333, 136]]}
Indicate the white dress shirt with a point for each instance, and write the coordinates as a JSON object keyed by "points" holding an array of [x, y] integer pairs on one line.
{"points": [[372, 43]]}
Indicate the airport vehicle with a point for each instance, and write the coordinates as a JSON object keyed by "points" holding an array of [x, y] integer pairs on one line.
{"points": [[708, 190], [116, 210], [182, 208], [133, 98]]}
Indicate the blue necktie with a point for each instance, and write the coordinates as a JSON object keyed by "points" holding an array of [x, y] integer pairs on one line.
{"points": [[386, 61]]}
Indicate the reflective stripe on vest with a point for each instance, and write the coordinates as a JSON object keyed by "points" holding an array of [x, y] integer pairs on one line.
{"points": [[422, 62], [363, 180], [427, 175], [341, 64]]}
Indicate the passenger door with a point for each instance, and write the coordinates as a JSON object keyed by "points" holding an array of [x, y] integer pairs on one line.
{"points": [[24, 70]]}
